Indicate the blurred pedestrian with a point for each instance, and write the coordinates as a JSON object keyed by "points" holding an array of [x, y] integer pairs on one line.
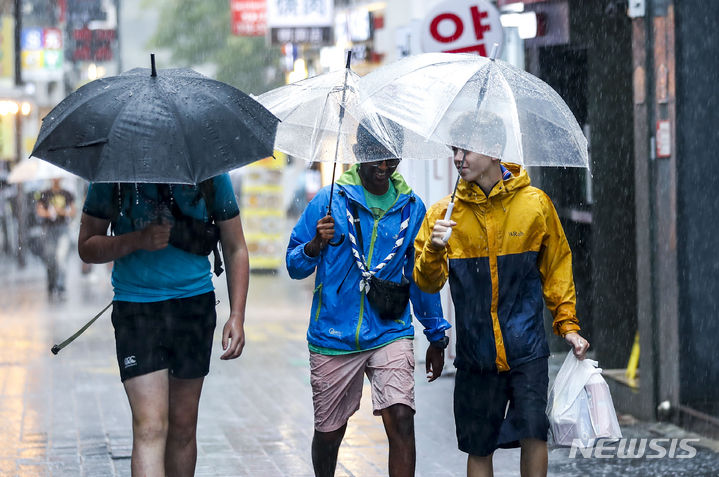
{"points": [[55, 209], [507, 255], [164, 304], [360, 321]]}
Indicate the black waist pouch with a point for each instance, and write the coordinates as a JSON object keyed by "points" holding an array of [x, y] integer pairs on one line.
{"points": [[387, 298], [194, 236]]}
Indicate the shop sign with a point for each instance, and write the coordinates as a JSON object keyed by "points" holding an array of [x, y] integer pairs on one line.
{"points": [[312, 35], [81, 12], [300, 13], [42, 53], [664, 139], [359, 24], [93, 45], [502, 3], [462, 26], [300, 21], [249, 17]]}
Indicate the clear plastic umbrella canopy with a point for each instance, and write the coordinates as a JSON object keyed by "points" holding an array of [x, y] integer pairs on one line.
{"points": [[34, 169], [478, 104], [320, 117]]}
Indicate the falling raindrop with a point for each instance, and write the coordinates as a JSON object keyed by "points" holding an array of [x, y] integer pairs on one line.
{"points": [[119, 199], [137, 194]]}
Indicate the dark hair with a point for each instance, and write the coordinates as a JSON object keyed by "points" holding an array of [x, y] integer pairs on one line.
{"points": [[368, 148], [484, 131]]}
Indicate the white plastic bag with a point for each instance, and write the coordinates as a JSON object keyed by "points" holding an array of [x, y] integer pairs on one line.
{"points": [[579, 406]]}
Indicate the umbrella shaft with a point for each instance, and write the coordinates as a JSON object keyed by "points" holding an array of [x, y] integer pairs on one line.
{"points": [[339, 131], [459, 176]]}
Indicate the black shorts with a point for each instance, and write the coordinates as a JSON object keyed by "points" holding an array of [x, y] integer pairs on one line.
{"points": [[174, 334], [480, 402]]}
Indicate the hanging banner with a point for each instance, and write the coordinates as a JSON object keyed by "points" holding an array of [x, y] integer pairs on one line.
{"points": [[462, 26]]}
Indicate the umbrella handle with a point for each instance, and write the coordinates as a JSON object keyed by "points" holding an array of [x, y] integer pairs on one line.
{"points": [[337, 242], [447, 216], [56, 348]]}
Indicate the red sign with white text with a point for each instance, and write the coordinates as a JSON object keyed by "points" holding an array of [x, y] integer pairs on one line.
{"points": [[249, 17], [462, 26]]}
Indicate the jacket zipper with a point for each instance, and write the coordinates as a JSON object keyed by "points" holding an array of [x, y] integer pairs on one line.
{"points": [[369, 266], [319, 301]]}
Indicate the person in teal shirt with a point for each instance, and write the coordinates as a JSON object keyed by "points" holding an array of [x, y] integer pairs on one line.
{"points": [[164, 306], [349, 334]]}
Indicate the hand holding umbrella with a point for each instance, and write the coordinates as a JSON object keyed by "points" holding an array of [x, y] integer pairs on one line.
{"points": [[324, 232]]}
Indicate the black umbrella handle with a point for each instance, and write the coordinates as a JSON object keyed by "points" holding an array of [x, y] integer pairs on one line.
{"points": [[337, 242]]}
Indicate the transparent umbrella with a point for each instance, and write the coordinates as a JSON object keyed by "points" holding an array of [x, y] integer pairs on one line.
{"points": [[440, 96], [321, 116], [34, 169]]}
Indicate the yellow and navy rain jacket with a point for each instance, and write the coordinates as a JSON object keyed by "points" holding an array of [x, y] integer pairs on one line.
{"points": [[507, 251]]}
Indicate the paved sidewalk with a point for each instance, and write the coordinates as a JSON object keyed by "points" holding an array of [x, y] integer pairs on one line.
{"points": [[67, 415]]}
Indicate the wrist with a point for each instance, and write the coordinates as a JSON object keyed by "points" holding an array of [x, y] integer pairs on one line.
{"points": [[441, 343], [237, 317], [435, 248], [311, 249]]}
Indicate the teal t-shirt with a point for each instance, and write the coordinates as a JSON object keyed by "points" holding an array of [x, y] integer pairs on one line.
{"points": [[144, 276], [379, 204]]}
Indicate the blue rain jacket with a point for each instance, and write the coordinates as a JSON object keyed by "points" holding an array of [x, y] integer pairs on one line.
{"points": [[341, 317]]}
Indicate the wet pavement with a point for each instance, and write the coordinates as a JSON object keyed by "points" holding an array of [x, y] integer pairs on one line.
{"points": [[67, 415]]}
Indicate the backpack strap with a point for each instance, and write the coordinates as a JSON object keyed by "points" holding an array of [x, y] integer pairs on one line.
{"points": [[207, 189], [207, 192]]}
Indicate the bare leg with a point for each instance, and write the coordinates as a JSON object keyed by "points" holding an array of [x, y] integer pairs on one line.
{"points": [[181, 452], [533, 462], [399, 424], [148, 396], [325, 447], [479, 466]]}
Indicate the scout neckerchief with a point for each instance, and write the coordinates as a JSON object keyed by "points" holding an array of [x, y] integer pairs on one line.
{"points": [[358, 253]]}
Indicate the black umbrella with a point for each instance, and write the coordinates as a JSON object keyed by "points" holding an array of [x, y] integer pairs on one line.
{"points": [[166, 126]]}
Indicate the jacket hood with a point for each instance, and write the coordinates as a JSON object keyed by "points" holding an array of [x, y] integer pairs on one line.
{"points": [[471, 192]]}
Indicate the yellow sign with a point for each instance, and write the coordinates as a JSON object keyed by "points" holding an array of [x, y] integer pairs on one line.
{"points": [[7, 137], [7, 47]]}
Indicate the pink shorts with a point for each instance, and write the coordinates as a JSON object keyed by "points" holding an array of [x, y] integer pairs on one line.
{"points": [[337, 382]]}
